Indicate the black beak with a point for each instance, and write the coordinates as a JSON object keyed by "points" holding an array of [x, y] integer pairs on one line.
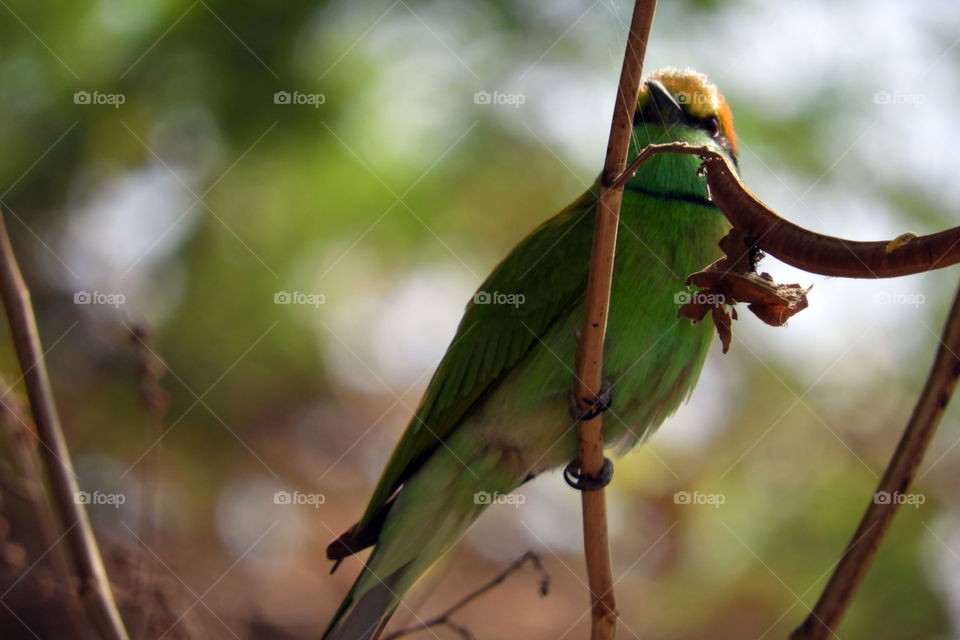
{"points": [[666, 105]]}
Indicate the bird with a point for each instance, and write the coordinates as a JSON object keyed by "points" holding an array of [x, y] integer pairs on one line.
{"points": [[497, 411]]}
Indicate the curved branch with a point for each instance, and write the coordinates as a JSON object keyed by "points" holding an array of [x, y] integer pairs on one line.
{"points": [[818, 253], [94, 586], [756, 226], [808, 250], [917, 435]]}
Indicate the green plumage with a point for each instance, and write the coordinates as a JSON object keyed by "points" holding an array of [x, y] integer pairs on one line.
{"points": [[497, 412]]}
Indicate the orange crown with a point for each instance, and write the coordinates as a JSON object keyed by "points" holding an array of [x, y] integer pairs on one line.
{"points": [[697, 95]]}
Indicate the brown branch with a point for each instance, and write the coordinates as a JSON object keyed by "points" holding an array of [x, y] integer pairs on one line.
{"points": [[20, 434], [444, 618], [757, 227], [29, 482], [94, 587], [150, 368], [589, 365], [813, 252], [917, 435], [818, 253]]}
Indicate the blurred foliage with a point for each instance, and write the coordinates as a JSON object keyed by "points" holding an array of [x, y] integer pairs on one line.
{"points": [[200, 198]]}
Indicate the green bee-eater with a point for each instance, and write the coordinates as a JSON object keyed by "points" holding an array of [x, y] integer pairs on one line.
{"points": [[497, 410]]}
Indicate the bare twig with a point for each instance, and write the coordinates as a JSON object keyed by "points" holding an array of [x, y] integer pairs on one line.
{"points": [[444, 618], [589, 363], [15, 423], [919, 431], [94, 587], [29, 482], [813, 252], [150, 368], [758, 227]]}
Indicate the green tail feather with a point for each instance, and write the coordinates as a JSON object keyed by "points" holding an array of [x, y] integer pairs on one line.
{"points": [[365, 618]]}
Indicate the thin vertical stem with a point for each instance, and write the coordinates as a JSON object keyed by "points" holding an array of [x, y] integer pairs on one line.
{"points": [[590, 351], [94, 587], [917, 435]]}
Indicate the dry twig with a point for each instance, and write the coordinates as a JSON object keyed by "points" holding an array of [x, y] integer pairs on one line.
{"points": [[813, 252], [15, 423], [150, 368], [757, 227], [589, 365], [444, 618], [95, 591], [919, 431]]}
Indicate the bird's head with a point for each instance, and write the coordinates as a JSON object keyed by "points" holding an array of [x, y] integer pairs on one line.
{"points": [[683, 105], [679, 106]]}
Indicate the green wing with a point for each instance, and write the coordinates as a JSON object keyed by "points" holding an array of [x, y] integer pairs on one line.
{"points": [[549, 269]]}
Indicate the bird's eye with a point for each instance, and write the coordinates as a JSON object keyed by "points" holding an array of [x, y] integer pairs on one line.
{"points": [[712, 126]]}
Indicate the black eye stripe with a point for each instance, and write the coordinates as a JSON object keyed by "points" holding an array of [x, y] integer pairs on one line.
{"points": [[711, 125]]}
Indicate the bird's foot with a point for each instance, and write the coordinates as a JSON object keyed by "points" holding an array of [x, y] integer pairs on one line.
{"points": [[584, 482], [597, 406]]}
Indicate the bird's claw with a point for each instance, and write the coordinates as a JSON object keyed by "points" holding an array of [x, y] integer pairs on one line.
{"points": [[599, 404], [585, 482]]}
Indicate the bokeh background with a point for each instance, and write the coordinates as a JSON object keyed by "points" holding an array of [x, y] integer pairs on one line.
{"points": [[178, 194]]}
